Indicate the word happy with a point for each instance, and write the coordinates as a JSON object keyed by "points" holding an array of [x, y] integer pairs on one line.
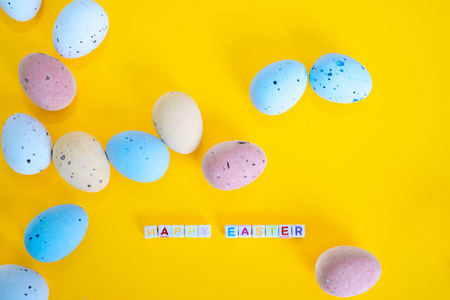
{"points": [[178, 231], [268, 231]]}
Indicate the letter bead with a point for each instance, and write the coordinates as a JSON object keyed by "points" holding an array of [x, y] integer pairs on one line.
{"points": [[150, 232], [231, 231], [165, 231]]}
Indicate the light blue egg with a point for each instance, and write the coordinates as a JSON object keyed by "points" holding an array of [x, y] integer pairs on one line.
{"points": [[56, 232], [279, 86], [26, 144], [17, 282], [339, 78], [138, 155]]}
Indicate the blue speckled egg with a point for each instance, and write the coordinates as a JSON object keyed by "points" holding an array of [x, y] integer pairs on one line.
{"points": [[339, 78], [279, 86], [138, 155], [26, 144], [21, 10], [56, 232], [17, 282]]}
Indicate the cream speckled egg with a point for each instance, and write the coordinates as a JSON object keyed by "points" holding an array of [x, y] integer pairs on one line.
{"points": [[81, 161], [178, 121]]}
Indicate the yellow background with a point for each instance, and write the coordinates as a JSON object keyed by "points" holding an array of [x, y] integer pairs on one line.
{"points": [[374, 174]]}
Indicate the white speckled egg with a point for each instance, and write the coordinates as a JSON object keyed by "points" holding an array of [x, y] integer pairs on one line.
{"points": [[339, 78], [56, 232], [278, 87], [17, 282], [178, 122], [81, 161], [80, 28], [26, 144], [21, 10]]}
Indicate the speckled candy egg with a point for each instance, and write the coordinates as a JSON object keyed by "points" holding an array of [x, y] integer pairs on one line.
{"points": [[138, 155], [56, 232], [47, 81], [81, 161], [26, 144], [278, 87], [21, 10], [80, 28], [339, 78], [17, 282], [347, 271], [178, 122], [233, 164]]}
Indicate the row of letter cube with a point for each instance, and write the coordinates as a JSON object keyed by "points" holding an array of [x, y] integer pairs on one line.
{"points": [[268, 231], [178, 231]]}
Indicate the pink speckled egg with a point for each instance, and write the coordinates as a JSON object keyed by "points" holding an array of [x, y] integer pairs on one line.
{"points": [[347, 271], [233, 164], [47, 81]]}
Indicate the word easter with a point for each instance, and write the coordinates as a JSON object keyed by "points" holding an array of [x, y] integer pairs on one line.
{"points": [[268, 231], [178, 231]]}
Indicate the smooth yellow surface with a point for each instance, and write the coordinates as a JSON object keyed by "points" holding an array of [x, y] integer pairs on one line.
{"points": [[374, 174]]}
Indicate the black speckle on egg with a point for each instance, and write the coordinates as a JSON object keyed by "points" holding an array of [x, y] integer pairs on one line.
{"points": [[63, 157], [88, 185], [275, 82], [47, 77], [28, 160]]}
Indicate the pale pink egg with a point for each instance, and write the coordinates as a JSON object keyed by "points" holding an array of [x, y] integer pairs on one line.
{"points": [[347, 271], [47, 81], [233, 164]]}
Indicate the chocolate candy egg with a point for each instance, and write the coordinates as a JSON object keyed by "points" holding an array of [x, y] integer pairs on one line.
{"points": [[233, 164], [278, 86], [26, 144], [138, 155], [80, 28], [17, 282], [56, 232], [81, 161], [178, 122], [347, 271], [339, 78], [47, 81], [21, 10]]}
